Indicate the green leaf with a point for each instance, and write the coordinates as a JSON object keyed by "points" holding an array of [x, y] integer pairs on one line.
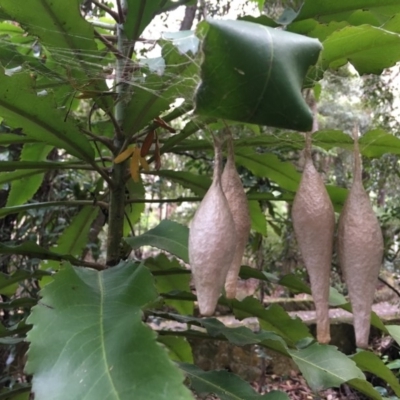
{"points": [[274, 319], [43, 165], [178, 348], [16, 175], [133, 211], [324, 366], [377, 142], [100, 355], [336, 11], [39, 117], [365, 387], [252, 73], [10, 283], [141, 12], [74, 238], [269, 166], [32, 250], [198, 184], [258, 221], [369, 49], [69, 38], [394, 331], [168, 235], [239, 336], [370, 362], [12, 138], [225, 385], [23, 189], [168, 283]]}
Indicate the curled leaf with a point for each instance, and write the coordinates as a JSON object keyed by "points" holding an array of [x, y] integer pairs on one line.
{"points": [[148, 141], [164, 125]]}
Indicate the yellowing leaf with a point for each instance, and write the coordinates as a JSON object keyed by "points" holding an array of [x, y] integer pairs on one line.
{"points": [[134, 165], [124, 155], [144, 164]]}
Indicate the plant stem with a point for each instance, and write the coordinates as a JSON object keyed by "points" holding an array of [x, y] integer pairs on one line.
{"points": [[117, 192]]}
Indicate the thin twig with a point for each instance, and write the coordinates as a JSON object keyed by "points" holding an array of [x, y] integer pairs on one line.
{"points": [[130, 224], [175, 200], [108, 10], [102, 139], [92, 109], [88, 264], [389, 286], [118, 131], [108, 44]]}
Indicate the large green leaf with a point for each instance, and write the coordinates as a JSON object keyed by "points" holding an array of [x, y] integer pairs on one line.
{"points": [[168, 235], [324, 366], [225, 385], [324, 11], [168, 283], [254, 74], [140, 13], [38, 116], [370, 362], [369, 49], [89, 342], [67, 35], [198, 184], [23, 189]]}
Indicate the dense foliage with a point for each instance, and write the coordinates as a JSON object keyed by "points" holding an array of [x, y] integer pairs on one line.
{"points": [[106, 149]]}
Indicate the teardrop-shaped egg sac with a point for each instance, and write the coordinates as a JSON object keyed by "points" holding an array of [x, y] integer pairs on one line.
{"points": [[235, 195], [212, 241], [314, 223], [360, 251]]}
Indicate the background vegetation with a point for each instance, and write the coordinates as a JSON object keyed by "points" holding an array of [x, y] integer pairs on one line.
{"points": [[105, 243]]}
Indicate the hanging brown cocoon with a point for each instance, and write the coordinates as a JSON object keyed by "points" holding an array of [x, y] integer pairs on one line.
{"points": [[212, 241], [237, 200], [360, 250], [314, 223]]}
